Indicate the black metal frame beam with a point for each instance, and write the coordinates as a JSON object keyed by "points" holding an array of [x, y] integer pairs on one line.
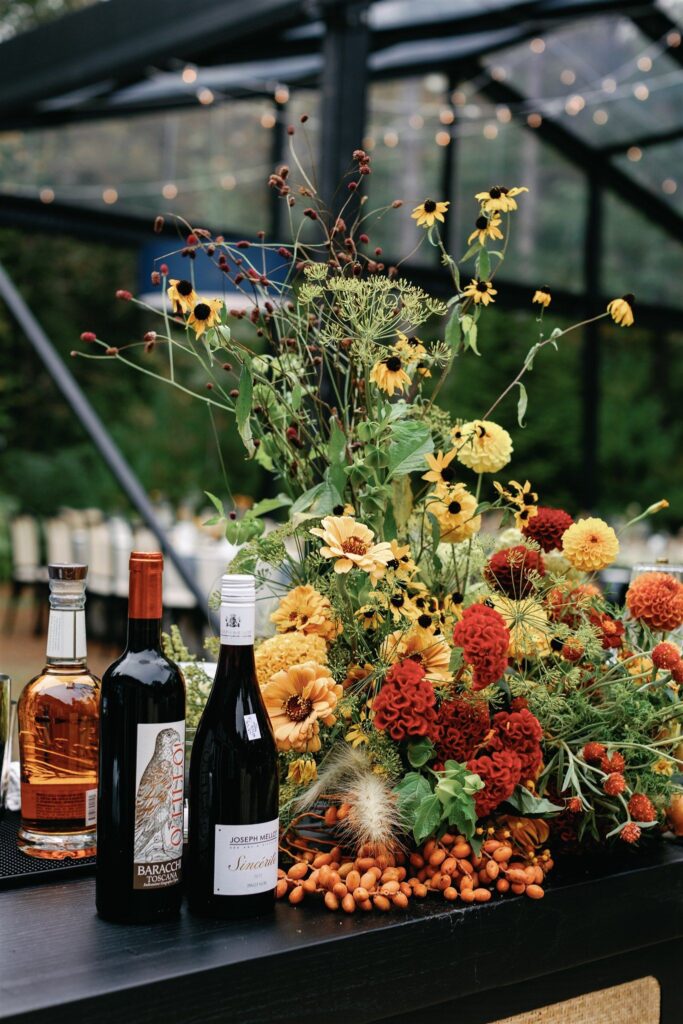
{"points": [[643, 142]]}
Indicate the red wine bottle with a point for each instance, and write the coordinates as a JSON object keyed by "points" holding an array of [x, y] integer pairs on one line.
{"points": [[142, 765], [233, 828]]}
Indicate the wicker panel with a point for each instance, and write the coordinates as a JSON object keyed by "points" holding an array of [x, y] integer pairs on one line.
{"points": [[621, 1004]]}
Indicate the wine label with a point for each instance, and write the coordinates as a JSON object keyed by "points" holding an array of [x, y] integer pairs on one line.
{"points": [[237, 624], [253, 731], [159, 784], [66, 634], [245, 858], [58, 801]]}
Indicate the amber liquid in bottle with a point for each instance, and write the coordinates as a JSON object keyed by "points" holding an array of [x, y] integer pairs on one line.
{"points": [[58, 733]]}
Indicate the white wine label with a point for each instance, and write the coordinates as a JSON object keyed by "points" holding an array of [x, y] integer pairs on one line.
{"points": [[237, 624], [159, 782], [90, 807], [245, 858], [253, 731], [66, 635]]}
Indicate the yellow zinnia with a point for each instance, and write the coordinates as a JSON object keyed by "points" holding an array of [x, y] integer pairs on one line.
{"points": [[482, 445], [286, 649], [388, 374], [182, 296], [305, 610], [352, 546], [590, 544], [454, 508], [298, 699], [429, 211], [480, 291], [621, 310], [543, 297], [499, 198], [485, 228], [205, 314]]}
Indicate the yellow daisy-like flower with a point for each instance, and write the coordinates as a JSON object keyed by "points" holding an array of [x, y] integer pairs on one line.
{"points": [[298, 699], [400, 605], [590, 544], [352, 546], [413, 352], [370, 616], [454, 509], [543, 297], [286, 649], [663, 766], [499, 199], [530, 630], [357, 674], [524, 501], [430, 651], [302, 771], [428, 212], [486, 228], [388, 374], [356, 736], [440, 469], [182, 296], [480, 291], [305, 610], [482, 445], [641, 666], [205, 314], [402, 564], [621, 310]]}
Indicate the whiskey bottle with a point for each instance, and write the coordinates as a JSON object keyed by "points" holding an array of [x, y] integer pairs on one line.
{"points": [[58, 716]]}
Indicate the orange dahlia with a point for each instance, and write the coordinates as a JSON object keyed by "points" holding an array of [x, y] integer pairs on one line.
{"points": [[656, 598]]}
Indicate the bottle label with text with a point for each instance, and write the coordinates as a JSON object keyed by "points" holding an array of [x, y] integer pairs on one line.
{"points": [[66, 635], [237, 624], [245, 858], [59, 801], [159, 785]]}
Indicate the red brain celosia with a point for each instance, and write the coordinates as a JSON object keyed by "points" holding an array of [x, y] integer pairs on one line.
{"points": [[547, 527], [405, 706], [500, 772], [665, 655], [656, 598], [514, 570], [521, 733], [484, 639], [461, 726]]}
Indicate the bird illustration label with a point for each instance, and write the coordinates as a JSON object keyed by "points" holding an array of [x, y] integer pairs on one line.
{"points": [[159, 782], [245, 858]]}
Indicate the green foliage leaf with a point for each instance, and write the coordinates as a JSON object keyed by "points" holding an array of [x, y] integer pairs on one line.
{"points": [[420, 752], [297, 396], [483, 265], [410, 442], [261, 508], [411, 790], [452, 334], [427, 818], [471, 339], [243, 407], [522, 403], [217, 504], [402, 495], [526, 803], [336, 453]]}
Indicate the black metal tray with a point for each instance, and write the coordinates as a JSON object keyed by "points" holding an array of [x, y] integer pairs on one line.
{"points": [[16, 869]]}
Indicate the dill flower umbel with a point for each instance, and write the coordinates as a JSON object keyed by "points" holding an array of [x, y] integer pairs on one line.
{"points": [[543, 297], [428, 650], [499, 198], [352, 546], [388, 374], [482, 445], [480, 291], [205, 314], [621, 310], [514, 571], [297, 700], [528, 624], [454, 508], [486, 228], [428, 212], [182, 296], [305, 610], [590, 544], [656, 598], [286, 649]]}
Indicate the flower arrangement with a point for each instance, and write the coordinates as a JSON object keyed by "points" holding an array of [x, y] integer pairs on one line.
{"points": [[449, 689]]}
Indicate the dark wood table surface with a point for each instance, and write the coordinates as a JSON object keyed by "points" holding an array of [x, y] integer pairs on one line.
{"points": [[59, 962]]}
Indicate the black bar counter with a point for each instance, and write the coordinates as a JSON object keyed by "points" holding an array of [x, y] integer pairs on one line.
{"points": [[596, 927]]}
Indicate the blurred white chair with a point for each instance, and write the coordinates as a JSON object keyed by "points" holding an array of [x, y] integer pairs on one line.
{"points": [[121, 545], [213, 558], [177, 595], [28, 572], [58, 541], [101, 564]]}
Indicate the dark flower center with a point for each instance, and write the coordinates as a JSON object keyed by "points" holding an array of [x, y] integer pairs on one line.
{"points": [[202, 311], [397, 600], [631, 299], [528, 499], [393, 564], [413, 342], [454, 508], [456, 597], [482, 286], [297, 708], [369, 613], [338, 510], [447, 473], [354, 546], [495, 192], [393, 363], [481, 223], [429, 206], [424, 621], [184, 288]]}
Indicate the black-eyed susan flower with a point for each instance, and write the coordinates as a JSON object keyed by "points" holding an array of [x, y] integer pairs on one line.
{"points": [[440, 469], [205, 314], [455, 511], [621, 310], [389, 375], [543, 297], [486, 228], [523, 500], [480, 291], [499, 199], [429, 211], [182, 296], [413, 352]]}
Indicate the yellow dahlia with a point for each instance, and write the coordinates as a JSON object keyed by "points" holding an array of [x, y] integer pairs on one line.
{"points": [[590, 544], [298, 699], [352, 546], [621, 310], [182, 296], [499, 198], [527, 622], [286, 649], [302, 771], [440, 469], [480, 291], [482, 446], [305, 610], [388, 374], [427, 212], [429, 650], [454, 509], [543, 297]]}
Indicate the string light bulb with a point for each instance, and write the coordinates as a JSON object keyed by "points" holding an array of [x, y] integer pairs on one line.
{"points": [[169, 191], [47, 195], [205, 97], [110, 196], [189, 74]]}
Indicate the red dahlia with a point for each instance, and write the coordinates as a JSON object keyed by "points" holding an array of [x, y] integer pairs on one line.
{"points": [[500, 772], [630, 833], [547, 527], [665, 655], [592, 753], [614, 784], [461, 726], [513, 570], [641, 808], [610, 631], [404, 706], [521, 733], [484, 639]]}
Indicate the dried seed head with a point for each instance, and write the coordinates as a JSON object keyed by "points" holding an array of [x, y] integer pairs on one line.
{"points": [[158, 225]]}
